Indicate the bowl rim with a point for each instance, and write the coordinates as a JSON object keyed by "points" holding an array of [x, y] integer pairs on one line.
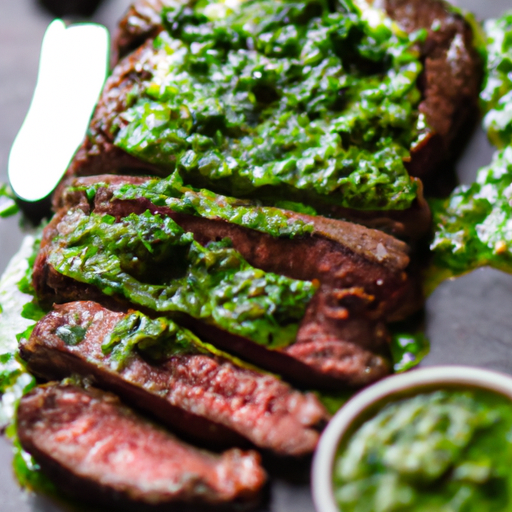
{"points": [[323, 459]]}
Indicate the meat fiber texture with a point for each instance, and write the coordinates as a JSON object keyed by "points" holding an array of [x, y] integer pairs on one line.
{"points": [[342, 342], [339, 254], [97, 449], [342, 339], [207, 398]]}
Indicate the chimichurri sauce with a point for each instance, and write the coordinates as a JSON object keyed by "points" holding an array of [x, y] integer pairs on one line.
{"points": [[172, 193], [496, 96], [274, 98], [473, 227], [445, 451], [156, 339]]}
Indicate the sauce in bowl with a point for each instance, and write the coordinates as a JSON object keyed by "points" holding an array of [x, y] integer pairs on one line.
{"points": [[447, 450], [436, 439]]}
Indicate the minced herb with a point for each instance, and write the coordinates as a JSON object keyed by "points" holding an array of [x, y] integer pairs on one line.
{"points": [[447, 451], [71, 335], [153, 263], [473, 227], [18, 313], [17, 319], [29, 473], [408, 349], [172, 193], [496, 95], [8, 206], [157, 339], [272, 98]]}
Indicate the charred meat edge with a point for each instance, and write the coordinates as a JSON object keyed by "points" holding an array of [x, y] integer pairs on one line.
{"points": [[450, 85], [206, 398], [97, 449]]}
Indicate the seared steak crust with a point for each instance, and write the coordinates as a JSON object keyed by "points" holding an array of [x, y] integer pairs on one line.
{"points": [[207, 398], [451, 78], [97, 449], [98, 154], [140, 22]]}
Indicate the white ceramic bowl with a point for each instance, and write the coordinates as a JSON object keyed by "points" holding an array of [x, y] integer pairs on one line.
{"points": [[370, 400]]}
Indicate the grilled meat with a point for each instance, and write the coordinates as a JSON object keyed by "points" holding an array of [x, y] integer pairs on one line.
{"points": [[337, 253], [204, 396], [341, 339], [95, 448], [449, 84]]}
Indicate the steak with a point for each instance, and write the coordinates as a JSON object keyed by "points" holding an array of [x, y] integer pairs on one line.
{"points": [[450, 83], [206, 397], [341, 340], [141, 21], [97, 449]]}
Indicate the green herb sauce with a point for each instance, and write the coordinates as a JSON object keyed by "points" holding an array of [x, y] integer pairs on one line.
{"points": [[172, 193], [408, 349], [473, 227], [274, 98], [71, 335], [496, 96], [153, 263], [446, 451], [8, 206], [18, 314], [156, 339]]}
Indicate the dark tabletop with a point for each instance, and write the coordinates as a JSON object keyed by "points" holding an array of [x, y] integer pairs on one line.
{"points": [[468, 321]]}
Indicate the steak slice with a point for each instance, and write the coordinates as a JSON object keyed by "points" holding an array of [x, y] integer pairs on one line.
{"points": [[342, 336], [140, 22], [98, 155], [451, 80], [97, 449], [206, 397], [337, 253]]}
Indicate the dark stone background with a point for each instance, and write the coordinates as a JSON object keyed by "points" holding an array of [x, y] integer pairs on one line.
{"points": [[468, 321]]}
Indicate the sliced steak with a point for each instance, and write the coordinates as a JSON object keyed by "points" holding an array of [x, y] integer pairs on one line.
{"points": [[450, 87], [97, 449], [206, 397], [98, 154], [342, 336], [337, 253]]}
